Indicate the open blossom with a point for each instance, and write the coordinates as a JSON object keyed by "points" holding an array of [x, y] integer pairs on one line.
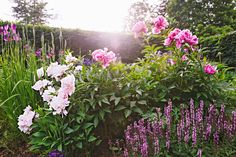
{"points": [[59, 105], [26, 120], [171, 36], [40, 72], [139, 28], [78, 69], [104, 57], [184, 58], [68, 84], [40, 85], [209, 69], [70, 58], [38, 52], [160, 23], [55, 70], [48, 94]]}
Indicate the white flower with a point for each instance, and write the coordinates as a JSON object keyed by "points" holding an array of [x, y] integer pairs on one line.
{"points": [[78, 69], [47, 94], [59, 105], [55, 70], [40, 72], [40, 85], [68, 84], [70, 58], [26, 120]]}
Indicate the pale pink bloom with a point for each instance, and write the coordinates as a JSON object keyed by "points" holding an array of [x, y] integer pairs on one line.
{"points": [[78, 69], [68, 84], [59, 105], [70, 58], [40, 72], [160, 23], [55, 70], [48, 94], [139, 28], [171, 61], [104, 57], [26, 120], [62, 93], [40, 85], [184, 58], [209, 69]]}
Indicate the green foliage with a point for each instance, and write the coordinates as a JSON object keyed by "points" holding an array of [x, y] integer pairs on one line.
{"points": [[31, 12], [190, 13], [221, 48]]}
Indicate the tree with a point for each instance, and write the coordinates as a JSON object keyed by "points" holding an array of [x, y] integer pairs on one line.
{"points": [[144, 10], [191, 13], [31, 11]]}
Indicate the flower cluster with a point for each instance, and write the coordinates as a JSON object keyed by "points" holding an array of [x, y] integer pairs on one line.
{"points": [[209, 69], [9, 33], [181, 37], [160, 23], [57, 96], [104, 57], [26, 120], [144, 137]]}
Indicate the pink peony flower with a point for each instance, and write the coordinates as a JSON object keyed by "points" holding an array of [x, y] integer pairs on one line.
{"points": [[40, 72], [171, 36], [68, 84], [185, 36], [59, 105], [184, 58], [40, 85], [55, 70], [104, 57], [70, 58], [26, 120], [209, 69], [48, 94], [139, 28], [160, 23]]}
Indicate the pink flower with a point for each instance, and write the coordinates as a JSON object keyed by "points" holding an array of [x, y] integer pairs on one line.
{"points": [[160, 23], [139, 28], [184, 58], [59, 105], [48, 94], [171, 62], [70, 58], [40, 72], [55, 70], [171, 36], [185, 36], [40, 85], [104, 57], [210, 69], [68, 85], [26, 120]]}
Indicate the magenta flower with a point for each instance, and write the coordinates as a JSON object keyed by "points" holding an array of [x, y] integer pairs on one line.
{"points": [[171, 36], [38, 52], [209, 69], [160, 23], [139, 28], [104, 57], [184, 58]]}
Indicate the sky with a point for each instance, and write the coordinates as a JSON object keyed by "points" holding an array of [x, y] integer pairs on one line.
{"points": [[98, 15]]}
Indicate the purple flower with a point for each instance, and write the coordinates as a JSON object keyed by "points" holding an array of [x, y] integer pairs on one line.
{"points": [[55, 153], [126, 153], [216, 137], [234, 121], [87, 62], [13, 28], [194, 135], [1, 30], [199, 153], [187, 127], [38, 52]]}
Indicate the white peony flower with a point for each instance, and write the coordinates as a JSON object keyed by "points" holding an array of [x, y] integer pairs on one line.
{"points": [[40, 85], [40, 72], [47, 94], [68, 84], [55, 70], [70, 58], [59, 105], [26, 120]]}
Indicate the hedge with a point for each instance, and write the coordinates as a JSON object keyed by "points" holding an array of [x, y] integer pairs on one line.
{"points": [[81, 42], [221, 48]]}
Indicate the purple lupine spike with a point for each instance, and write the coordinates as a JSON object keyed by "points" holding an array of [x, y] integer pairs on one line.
{"points": [[216, 138], [144, 150], [38, 52], [199, 153], [156, 146], [220, 122], [187, 127], [13, 28], [234, 121], [207, 132], [126, 153], [178, 128], [194, 135], [192, 112]]}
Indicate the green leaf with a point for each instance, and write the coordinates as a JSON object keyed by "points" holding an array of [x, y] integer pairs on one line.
{"points": [[92, 138], [68, 130], [132, 103], [142, 102], [95, 121], [127, 113], [59, 147], [79, 145], [119, 108], [117, 100], [138, 110]]}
